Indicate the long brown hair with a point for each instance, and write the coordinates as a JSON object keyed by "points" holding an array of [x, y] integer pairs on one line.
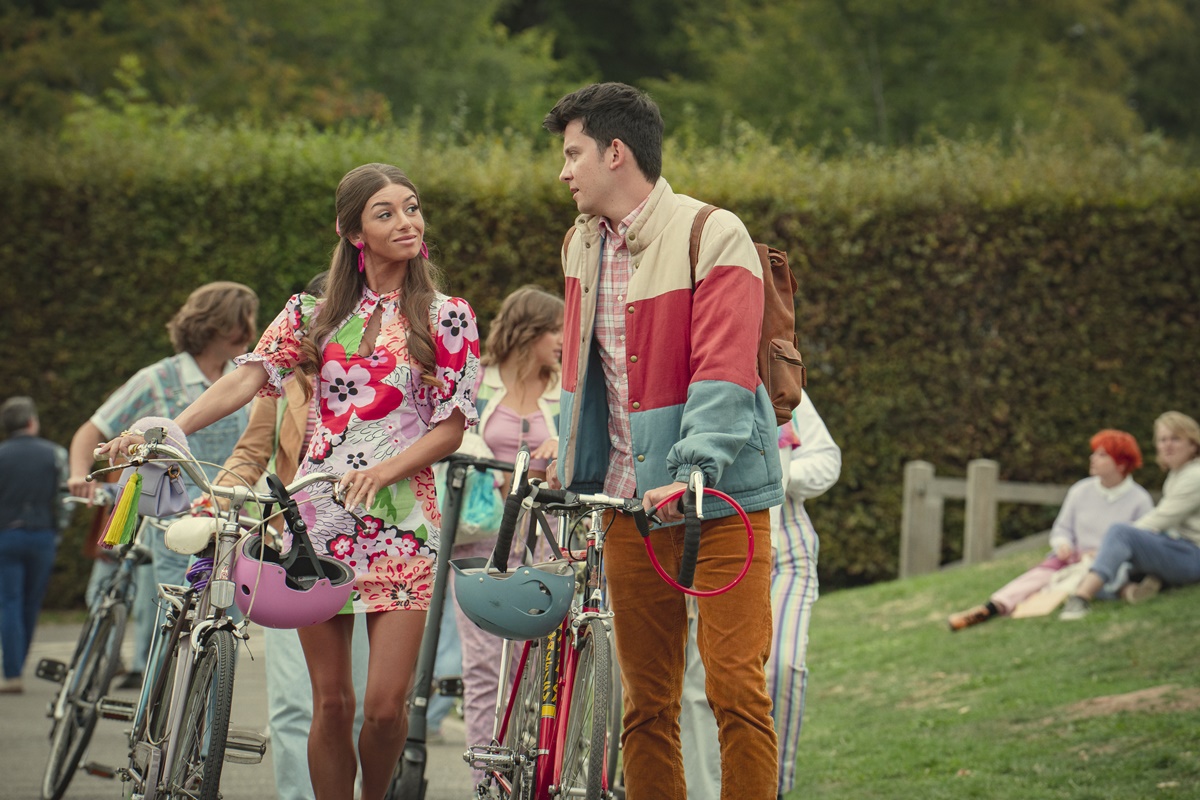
{"points": [[345, 286], [524, 317]]}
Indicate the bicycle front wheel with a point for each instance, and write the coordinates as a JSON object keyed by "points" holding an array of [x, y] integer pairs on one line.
{"points": [[521, 735], [196, 773], [584, 749], [95, 663]]}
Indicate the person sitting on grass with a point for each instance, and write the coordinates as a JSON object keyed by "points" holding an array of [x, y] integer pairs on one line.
{"points": [[1163, 545], [1107, 496]]}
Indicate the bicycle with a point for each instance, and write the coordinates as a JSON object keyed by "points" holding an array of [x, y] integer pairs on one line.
{"points": [[554, 732], [86, 678], [180, 736]]}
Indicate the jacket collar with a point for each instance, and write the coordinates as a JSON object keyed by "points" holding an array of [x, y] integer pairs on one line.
{"points": [[491, 379], [660, 207]]}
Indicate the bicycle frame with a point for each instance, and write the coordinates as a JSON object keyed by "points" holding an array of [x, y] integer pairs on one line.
{"points": [[190, 616], [559, 656]]}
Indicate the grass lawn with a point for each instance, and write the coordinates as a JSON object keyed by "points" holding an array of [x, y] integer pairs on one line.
{"points": [[898, 707]]}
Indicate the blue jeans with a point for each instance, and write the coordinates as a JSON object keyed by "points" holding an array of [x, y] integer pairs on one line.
{"points": [[26, 558], [447, 664], [1176, 561], [144, 605]]}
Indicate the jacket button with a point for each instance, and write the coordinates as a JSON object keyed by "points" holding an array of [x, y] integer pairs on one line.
{"points": [[630, 309], [641, 458], [633, 358], [633, 237], [636, 404], [585, 290]]}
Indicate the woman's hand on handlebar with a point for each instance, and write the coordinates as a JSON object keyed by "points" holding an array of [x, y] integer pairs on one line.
{"points": [[359, 487], [672, 512], [119, 446]]}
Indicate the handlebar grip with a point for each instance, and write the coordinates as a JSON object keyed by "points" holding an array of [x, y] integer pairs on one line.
{"points": [[544, 495], [691, 541], [508, 525], [693, 513]]}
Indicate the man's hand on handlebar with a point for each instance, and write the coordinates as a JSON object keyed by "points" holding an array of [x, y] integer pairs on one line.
{"points": [[552, 481], [80, 486], [672, 512]]}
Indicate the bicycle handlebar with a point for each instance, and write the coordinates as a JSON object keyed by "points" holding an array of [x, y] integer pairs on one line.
{"points": [[142, 454]]}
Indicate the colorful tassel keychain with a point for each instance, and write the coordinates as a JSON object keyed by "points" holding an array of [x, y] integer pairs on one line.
{"points": [[123, 520]]}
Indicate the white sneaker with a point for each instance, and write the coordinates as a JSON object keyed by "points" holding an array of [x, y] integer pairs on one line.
{"points": [[1075, 608]]}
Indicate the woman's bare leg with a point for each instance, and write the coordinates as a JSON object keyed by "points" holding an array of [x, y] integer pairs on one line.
{"points": [[395, 641], [331, 762]]}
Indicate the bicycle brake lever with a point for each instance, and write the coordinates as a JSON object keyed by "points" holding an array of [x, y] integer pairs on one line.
{"points": [[340, 499], [696, 481]]}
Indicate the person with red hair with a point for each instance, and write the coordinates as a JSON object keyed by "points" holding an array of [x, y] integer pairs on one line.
{"points": [[1108, 495], [1162, 547]]}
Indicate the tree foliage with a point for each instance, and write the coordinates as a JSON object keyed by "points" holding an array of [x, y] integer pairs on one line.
{"points": [[890, 72]]}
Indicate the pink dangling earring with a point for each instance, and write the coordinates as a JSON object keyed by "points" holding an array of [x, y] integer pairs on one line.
{"points": [[362, 257], [424, 250]]}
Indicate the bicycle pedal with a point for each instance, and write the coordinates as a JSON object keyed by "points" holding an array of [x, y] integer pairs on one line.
{"points": [[450, 687], [51, 670], [489, 757], [99, 770], [245, 746], [122, 710]]}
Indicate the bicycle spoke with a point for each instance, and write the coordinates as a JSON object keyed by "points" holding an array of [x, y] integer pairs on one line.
{"points": [[582, 773], [205, 727]]}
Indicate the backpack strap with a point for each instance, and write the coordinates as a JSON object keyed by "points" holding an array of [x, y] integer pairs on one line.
{"points": [[697, 231], [567, 238]]}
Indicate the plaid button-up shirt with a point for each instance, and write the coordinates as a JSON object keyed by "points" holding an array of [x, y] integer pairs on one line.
{"points": [[615, 270]]}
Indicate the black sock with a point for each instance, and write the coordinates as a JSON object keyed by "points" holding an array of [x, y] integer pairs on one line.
{"points": [[991, 607]]}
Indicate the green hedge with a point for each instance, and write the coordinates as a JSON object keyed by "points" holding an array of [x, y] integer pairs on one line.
{"points": [[957, 302]]}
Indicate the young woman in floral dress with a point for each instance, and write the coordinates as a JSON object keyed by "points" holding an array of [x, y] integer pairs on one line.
{"points": [[398, 364]]}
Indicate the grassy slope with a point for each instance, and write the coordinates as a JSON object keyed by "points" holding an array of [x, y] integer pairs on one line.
{"points": [[898, 707]]}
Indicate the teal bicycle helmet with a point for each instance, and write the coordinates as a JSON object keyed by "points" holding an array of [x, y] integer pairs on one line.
{"points": [[526, 602]]}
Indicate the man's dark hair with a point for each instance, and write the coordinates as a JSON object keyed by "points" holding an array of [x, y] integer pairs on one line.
{"points": [[614, 111], [16, 413]]}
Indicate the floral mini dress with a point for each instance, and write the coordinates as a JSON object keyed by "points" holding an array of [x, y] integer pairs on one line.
{"points": [[372, 408]]}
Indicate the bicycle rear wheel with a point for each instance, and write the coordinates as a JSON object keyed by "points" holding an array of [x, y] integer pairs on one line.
{"points": [[89, 677], [584, 749], [196, 772]]}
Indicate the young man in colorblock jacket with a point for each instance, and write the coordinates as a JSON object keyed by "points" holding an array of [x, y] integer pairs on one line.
{"points": [[659, 377]]}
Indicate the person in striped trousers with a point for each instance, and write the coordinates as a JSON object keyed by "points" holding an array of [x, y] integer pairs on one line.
{"points": [[811, 462]]}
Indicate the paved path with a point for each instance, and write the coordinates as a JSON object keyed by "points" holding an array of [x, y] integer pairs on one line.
{"points": [[24, 729]]}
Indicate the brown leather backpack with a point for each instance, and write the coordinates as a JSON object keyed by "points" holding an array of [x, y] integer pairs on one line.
{"points": [[780, 365]]}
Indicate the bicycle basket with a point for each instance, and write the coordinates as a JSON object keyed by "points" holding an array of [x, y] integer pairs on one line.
{"points": [[524, 603]]}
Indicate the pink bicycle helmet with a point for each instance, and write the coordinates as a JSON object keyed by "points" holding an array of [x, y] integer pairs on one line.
{"points": [[293, 590], [278, 591]]}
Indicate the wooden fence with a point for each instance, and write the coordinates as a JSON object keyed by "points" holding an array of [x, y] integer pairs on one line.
{"points": [[925, 497]]}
